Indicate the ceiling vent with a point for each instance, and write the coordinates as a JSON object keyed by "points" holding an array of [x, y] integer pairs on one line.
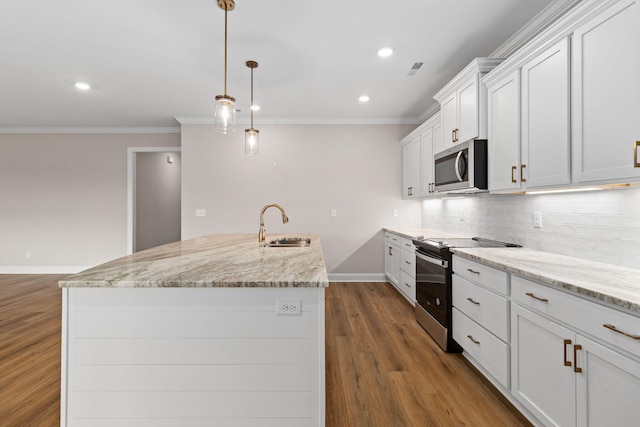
{"points": [[415, 68]]}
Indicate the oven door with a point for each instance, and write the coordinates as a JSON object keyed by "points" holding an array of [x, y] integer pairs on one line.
{"points": [[431, 286]]}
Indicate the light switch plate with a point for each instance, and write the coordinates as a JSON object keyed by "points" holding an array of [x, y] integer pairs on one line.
{"points": [[201, 212]]}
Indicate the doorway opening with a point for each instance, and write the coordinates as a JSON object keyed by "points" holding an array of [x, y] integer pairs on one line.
{"points": [[154, 197]]}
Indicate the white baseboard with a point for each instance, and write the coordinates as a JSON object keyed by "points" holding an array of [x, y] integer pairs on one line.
{"points": [[41, 269], [357, 277]]}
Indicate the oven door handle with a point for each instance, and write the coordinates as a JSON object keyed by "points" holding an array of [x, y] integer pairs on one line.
{"points": [[437, 261]]}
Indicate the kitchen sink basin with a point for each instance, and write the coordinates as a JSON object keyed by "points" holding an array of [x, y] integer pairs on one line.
{"points": [[289, 242]]}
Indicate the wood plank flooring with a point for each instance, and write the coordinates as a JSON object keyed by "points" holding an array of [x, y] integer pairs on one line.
{"points": [[30, 320], [382, 368]]}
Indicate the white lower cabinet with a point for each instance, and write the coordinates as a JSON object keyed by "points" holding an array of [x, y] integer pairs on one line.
{"points": [[561, 359], [392, 257], [608, 389], [539, 378], [559, 374], [407, 285]]}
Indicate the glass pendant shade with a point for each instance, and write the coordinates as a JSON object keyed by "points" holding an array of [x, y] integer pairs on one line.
{"points": [[251, 139], [225, 118]]}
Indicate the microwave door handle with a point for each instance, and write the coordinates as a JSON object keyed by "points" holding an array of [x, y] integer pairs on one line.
{"points": [[432, 260], [457, 166]]}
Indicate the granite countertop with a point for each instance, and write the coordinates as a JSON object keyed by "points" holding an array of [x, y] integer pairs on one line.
{"points": [[619, 286], [412, 233], [218, 260]]}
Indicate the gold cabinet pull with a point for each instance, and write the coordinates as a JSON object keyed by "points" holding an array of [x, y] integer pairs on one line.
{"points": [[575, 358], [472, 301], [530, 294], [522, 178], [407, 262], [513, 171], [472, 339], [614, 329], [407, 285], [472, 271], [566, 362], [453, 135], [409, 191], [390, 251], [636, 164]]}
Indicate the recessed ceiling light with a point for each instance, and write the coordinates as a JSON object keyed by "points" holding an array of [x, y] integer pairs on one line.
{"points": [[255, 107], [82, 86], [364, 98], [385, 51]]}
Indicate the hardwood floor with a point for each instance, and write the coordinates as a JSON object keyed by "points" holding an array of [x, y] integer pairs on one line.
{"points": [[30, 319], [382, 368]]}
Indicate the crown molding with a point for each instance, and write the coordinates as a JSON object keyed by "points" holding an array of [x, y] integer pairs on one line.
{"points": [[309, 121], [90, 130], [535, 26], [431, 111]]}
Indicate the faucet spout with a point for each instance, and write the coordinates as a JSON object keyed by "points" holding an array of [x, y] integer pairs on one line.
{"points": [[285, 219]]}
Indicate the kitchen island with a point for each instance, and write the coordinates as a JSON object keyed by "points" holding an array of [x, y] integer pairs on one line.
{"points": [[216, 330]]}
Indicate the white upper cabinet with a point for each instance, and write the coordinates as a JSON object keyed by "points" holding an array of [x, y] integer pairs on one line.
{"points": [[546, 144], [528, 123], [463, 104], [606, 96], [504, 132], [411, 168], [417, 159]]}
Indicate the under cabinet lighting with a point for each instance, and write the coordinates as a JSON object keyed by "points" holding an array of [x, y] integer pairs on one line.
{"points": [[563, 190]]}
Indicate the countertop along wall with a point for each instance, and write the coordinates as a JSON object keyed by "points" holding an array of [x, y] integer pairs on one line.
{"points": [[63, 198], [309, 170], [601, 225]]}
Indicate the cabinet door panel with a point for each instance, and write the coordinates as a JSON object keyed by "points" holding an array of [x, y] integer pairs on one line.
{"points": [[606, 105], [608, 387], [540, 380], [545, 118], [468, 111], [407, 169], [504, 133], [449, 120], [426, 153]]}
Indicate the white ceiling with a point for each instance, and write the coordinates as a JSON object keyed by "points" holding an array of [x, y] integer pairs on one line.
{"points": [[150, 61]]}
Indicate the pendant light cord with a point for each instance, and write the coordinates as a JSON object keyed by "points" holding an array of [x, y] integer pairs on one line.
{"points": [[251, 106], [225, 51]]}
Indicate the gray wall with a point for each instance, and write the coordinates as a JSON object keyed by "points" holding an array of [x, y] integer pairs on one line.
{"points": [[309, 170], [63, 198], [157, 200]]}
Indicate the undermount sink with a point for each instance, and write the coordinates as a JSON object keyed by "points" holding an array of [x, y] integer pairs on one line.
{"points": [[289, 242]]}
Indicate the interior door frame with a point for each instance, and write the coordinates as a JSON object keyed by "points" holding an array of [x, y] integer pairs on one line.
{"points": [[131, 183]]}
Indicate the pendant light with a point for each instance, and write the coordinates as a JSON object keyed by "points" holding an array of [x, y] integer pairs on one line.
{"points": [[251, 135], [225, 115]]}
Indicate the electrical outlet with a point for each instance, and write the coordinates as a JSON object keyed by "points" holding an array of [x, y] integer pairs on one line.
{"points": [[395, 212], [333, 212], [537, 220], [201, 212], [289, 306], [27, 255]]}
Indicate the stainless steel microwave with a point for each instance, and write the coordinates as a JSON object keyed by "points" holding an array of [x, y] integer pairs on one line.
{"points": [[463, 168]]}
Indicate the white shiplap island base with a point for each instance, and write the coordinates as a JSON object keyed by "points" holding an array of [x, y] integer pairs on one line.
{"points": [[187, 334]]}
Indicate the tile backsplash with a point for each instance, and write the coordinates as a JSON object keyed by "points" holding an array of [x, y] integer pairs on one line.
{"points": [[601, 225]]}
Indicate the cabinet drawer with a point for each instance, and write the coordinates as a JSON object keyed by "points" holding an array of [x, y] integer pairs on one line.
{"points": [[408, 286], [486, 349], [407, 244], [489, 277], [391, 238], [488, 309], [408, 262], [581, 314]]}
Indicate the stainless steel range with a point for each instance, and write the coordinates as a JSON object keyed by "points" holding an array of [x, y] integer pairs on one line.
{"points": [[433, 284]]}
